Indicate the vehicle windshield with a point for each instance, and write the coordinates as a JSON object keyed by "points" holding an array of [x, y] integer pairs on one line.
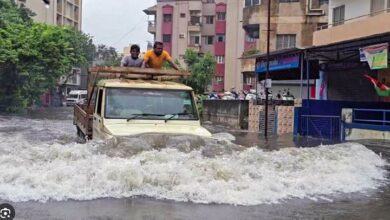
{"points": [[149, 104], [73, 96]]}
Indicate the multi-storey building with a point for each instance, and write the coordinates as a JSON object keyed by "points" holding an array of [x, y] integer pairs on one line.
{"points": [[56, 12], [204, 26], [292, 25]]}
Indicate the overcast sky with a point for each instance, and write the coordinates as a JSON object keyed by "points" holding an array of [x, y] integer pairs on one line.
{"points": [[117, 23]]}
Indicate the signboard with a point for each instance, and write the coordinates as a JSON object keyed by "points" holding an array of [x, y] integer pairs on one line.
{"points": [[375, 55], [284, 63]]}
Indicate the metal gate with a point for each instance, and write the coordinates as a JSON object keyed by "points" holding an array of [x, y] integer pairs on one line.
{"points": [[321, 126]]}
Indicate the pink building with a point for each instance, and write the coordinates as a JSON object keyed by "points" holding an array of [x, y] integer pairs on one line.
{"points": [[205, 26]]}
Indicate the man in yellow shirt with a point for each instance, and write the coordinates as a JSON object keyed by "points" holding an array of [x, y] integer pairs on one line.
{"points": [[155, 58]]}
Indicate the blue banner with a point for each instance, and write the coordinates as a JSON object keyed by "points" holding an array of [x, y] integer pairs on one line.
{"points": [[278, 64]]}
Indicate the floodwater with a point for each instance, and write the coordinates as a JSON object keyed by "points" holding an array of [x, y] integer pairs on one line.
{"points": [[46, 174]]}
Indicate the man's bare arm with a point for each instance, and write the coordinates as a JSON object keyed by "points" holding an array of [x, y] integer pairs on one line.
{"points": [[143, 64], [173, 65]]}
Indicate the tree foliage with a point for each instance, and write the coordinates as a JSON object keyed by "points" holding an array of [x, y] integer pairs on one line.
{"points": [[33, 56], [201, 68], [107, 56], [10, 13]]}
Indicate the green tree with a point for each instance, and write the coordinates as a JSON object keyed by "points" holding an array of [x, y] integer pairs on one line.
{"points": [[10, 13], [33, 56], [202, 69], [107, 56]]}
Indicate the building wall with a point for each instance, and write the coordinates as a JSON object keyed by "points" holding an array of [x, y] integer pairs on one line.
{"points": [[60, 12], [235, 38], [43, 14], [181, 32]]}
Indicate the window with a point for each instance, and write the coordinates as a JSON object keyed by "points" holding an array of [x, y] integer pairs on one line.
{"points": [[182, 15], [284, 41], [167, 18], [209, 19], [252, 30], [221, 16], [248, 38], [288, 1], [249, 79], [338, 15], [323, 2], [220, 38], [209, 40], [166, 38], [194, 40], [377, 6], [220, 59], [388, 4], [195, 20], [249, 3], [321, 26], [99, 102], [210, 1], [219, 79]]}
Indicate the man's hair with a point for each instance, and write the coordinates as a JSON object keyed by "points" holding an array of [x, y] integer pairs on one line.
{"points": [[135, 47], [158, 43]]}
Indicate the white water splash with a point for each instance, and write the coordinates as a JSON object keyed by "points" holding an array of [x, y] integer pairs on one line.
{"points": [[56, 168]]}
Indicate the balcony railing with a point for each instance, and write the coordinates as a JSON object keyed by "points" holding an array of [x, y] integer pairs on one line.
{"points": [[326, 26], [194, 26], [194, 47]]}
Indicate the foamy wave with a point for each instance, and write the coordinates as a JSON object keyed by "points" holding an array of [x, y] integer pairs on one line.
{"points": [[54, 171]]}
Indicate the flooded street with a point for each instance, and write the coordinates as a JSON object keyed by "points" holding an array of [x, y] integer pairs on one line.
{"points": [[47, 174]]}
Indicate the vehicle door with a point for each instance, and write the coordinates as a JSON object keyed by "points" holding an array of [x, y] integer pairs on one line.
{"points": [[98, 114]]}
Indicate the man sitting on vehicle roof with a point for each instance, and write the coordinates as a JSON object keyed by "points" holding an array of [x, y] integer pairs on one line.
{"points": [[133, 60], [155, 58]]}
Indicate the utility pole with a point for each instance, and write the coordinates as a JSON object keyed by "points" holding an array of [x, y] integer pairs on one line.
{"points": [[267, 73]]}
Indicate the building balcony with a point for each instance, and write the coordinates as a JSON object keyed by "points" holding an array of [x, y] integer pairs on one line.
{"points": [[248, 65], [194, 47], [151, 27], [151, 10], [251, 15], [194, 26], [363, 26]]}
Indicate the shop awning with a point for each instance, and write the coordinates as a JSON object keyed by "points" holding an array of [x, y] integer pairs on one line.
{"points": [[284, 65]]}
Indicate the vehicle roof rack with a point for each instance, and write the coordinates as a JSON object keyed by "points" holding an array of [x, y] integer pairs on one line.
{"points": [[130, 72]]}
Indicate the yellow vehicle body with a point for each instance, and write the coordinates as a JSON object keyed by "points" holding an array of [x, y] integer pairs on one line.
{"points": [[101, 120]]}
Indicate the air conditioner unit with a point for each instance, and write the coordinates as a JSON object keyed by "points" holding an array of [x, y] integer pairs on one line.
{"points": [[182, 35]]}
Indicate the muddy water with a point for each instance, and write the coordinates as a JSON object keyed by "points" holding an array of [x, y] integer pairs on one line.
{"points": [[47, 174]]}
